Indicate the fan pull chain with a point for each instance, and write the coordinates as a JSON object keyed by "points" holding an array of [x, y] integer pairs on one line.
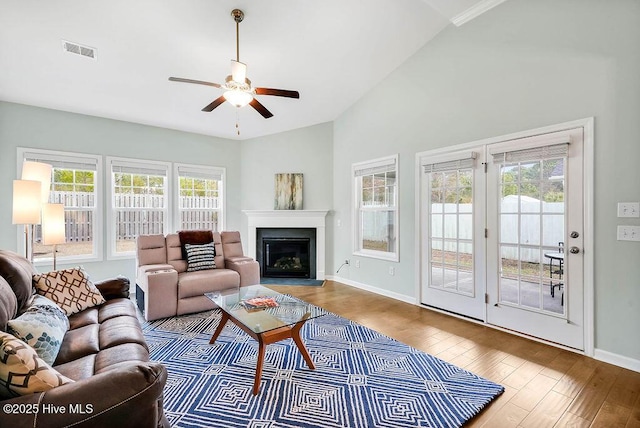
{"points": [[238, 121]]}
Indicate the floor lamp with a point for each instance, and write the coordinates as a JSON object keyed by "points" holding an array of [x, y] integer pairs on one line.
{"points": [[39, 172], [53, 227], [27, 205]]}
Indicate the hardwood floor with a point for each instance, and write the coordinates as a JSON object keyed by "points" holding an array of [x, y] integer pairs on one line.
{"points": [[544, 386]]}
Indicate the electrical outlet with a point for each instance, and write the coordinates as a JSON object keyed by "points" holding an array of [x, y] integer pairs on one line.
{"points": [[628, 233], [339, 223], [628, 209], [358, 264], [392, 270]]}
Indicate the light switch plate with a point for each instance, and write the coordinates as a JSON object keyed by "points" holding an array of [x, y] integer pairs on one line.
{"points": [[628, 233], [628, 209]]}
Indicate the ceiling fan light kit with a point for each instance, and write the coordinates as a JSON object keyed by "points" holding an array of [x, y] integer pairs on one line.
{"points": [[237, 87]]}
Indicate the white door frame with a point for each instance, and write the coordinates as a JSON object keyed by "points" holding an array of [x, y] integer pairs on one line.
{"points": [[589, 204]]}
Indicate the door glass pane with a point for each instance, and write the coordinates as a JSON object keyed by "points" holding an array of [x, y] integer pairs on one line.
{"points": [[509, 228], [450, 226], [451, 234], [509, 268], [436, 276], [465, 227], [531, 230]]}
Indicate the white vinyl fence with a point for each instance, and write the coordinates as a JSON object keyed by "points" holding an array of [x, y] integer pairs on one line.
{"points": [[538, 224], [136, 214]]}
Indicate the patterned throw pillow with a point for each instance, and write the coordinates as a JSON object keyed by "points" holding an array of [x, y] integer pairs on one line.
{"points": [[200, 257], [70, 289], [42, 326], [22, 372]]}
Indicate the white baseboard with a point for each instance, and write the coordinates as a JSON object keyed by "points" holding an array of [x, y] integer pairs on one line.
{"points": [[381, 291], [617, 360]]}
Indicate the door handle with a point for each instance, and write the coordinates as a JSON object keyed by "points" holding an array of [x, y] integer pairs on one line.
{"points": [[574, 250]]}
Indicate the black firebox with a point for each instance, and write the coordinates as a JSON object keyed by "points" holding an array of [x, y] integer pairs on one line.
{"points": [[286, 252]]}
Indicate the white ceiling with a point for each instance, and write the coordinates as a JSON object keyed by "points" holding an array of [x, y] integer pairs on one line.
{"points": [[331, 51]]}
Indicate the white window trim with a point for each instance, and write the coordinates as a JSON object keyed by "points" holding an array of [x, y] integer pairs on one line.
{"points": [[111, 218], [175, 200], [97, 215], [356, 194]]}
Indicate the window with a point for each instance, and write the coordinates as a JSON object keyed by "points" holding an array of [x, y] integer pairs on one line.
{"points": [[75, 184], [200, 197], [139, 203], [376, 208]]}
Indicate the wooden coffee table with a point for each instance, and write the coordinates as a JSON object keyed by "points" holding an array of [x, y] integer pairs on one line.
{"points": [[268, 325]]}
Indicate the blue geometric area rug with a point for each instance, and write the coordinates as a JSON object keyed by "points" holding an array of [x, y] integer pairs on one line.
{"points": [[362, 378]]}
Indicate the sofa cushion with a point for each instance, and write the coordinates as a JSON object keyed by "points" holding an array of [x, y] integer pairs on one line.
{"points": [[42, 326], [116, 308], [151, 249], [22, 372], [8, 304], [18, 271], [111, 358], [174, 253], [232, 244], [191, 284], [120, 330], [79, 343], [78, 369], [70, 289], [200, 257]]}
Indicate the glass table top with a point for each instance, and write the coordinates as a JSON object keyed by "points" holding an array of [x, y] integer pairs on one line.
{"points": [[288, 311]]}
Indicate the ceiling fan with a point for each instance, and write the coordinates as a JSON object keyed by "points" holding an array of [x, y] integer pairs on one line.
{"points": [[238, 89]]}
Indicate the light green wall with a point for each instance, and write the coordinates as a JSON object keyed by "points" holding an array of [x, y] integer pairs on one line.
{"points": [[26, 126], [523, 65]]}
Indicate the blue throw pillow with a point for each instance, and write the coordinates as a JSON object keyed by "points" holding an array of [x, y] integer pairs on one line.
{"points": [[200, 257], [42, 326]]}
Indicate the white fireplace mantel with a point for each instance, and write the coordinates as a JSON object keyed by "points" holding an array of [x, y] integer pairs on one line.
{"points": [[290, 218]]}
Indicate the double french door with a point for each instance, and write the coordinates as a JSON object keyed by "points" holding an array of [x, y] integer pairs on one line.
{"points": [[502, 234]]}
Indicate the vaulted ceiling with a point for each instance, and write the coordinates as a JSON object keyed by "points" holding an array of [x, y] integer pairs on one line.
{"points": [[331, 51]]}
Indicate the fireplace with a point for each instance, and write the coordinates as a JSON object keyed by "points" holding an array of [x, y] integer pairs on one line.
{"points": [[286, 252], [285, 257], [287, 220]]}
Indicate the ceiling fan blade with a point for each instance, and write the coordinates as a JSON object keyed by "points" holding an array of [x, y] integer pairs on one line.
{"points": [[260, 108], [199, 82], [277, 92], [214, 104]]}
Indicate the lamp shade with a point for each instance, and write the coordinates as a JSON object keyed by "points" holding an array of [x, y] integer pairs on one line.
{"points": [[53, 224], [41, 172], [27, 201]]}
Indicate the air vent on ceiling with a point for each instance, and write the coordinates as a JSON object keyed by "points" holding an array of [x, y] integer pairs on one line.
{"points": [[79, 49]]}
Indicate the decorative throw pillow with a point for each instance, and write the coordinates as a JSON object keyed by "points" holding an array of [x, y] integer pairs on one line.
{"points": [[70, 289], [200, 257], [42, 326], [194, 237], [22, 372]]}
